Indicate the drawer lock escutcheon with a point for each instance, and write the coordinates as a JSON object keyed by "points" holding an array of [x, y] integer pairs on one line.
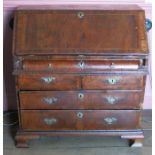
{"points": [[111, 99], [50, 101], [80, 14], [80, 115], [50, 121], [80, 96], [48, 80], [81, 64], [50, 66], [113, 80], [110, 120]]}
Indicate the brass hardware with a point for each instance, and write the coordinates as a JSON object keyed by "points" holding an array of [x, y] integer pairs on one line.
{"points": [[49, 66], [50, 101], [80, 14], [81, 56], [48, 80], [113, 80], [79, 114], [81, 64], [111, 99], [80, 96], [18, 63], [112, 65], [110, 120], [50, 121]]}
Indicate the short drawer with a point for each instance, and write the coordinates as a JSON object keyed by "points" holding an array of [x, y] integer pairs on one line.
{"points": [[52, 65], [48, 81], [113, 82], [80, 66], [80, 100], [48, 120]]}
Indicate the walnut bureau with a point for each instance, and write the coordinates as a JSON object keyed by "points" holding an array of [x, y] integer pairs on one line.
{"points": [[80, 72]]}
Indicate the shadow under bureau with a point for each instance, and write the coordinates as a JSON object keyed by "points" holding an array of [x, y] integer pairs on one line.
{"points": [[80, 72]]}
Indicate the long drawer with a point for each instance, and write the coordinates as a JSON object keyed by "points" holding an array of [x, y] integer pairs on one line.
{"points": [[80, 66], [80, 100], [48, 81], [49, 120]]}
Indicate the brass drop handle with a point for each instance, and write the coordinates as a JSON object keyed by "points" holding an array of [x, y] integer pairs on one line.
{"points": [[111, 99], [48, 80], [80, 115], [50, 121], [110, 120], [50, 100]]}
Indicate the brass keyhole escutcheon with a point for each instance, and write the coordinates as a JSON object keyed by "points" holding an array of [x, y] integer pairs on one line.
{"points": [[80, 115], [81, 64], [80, 96], [80, 15], [113, 80]]}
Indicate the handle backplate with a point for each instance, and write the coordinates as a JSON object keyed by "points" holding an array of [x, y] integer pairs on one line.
{"points": [[110, 120], [47, 80], [50, 121], [50, 100], [111, 99]]}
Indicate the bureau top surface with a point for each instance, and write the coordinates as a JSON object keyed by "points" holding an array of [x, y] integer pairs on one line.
{"points": [[88, 32]]}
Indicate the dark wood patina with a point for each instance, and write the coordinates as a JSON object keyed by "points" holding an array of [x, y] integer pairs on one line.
{"points": [[80, 72]]}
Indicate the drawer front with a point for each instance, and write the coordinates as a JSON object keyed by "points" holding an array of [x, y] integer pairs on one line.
{"points": [[80, 100], [48, 81], [52, 65], [62, 66], [113, 82], [101, 65], [37, 120]]}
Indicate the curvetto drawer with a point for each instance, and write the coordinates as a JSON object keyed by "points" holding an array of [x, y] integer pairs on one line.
{"points": [[113, 82], [80, 100], [48, 81], [38, 120], [62, 66]]}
